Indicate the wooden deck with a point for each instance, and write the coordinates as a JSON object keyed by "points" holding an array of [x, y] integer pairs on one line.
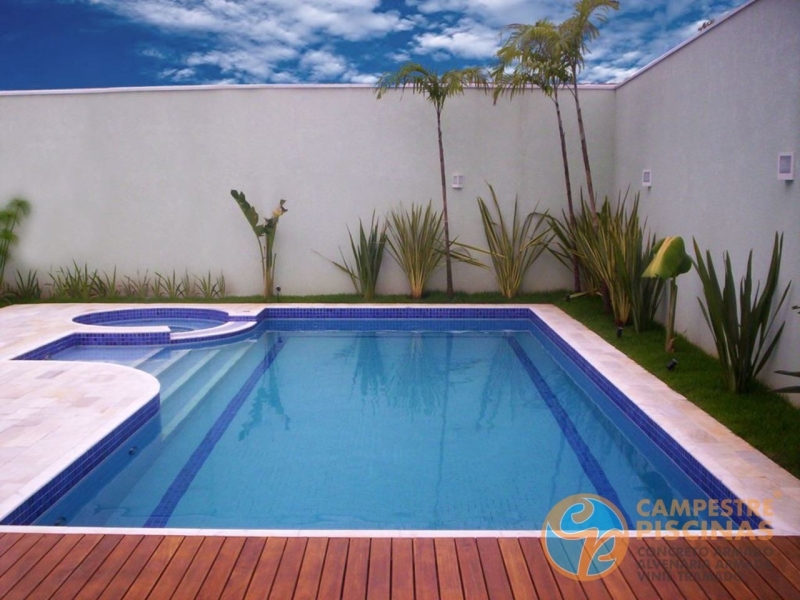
{"points": [[126, 567]]}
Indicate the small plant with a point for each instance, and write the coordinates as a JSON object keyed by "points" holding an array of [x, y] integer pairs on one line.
{"points": [[265, 234], [26, 288], [169, 286], [106, 285], [222, 288], [73, 283], [137, 287], [207, 285], [367, 258], [416, 242], [187, 285], [14, 212], [669, 261], [743, 335], [514, 249]]}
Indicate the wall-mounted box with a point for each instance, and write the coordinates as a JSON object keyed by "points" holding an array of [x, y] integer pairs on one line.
{"points": [[458, 181], [786, 166], [647, 178]]}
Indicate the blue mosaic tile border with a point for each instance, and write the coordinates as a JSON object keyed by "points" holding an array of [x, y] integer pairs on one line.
{"points": [[96, 339], [405, 312], [27, 512], [98, 318], [707, 482]]}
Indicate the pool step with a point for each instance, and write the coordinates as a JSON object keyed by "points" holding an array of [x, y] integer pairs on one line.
{"points": [[160, 366], [218, 372], [186, 373]]}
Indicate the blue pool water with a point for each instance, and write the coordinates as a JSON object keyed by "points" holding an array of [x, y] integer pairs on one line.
{"points": [[175, 324], [439, 425]]}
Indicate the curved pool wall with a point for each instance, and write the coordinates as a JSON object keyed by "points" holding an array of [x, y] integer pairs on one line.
{"points": [[707, 481], [109, 317]]}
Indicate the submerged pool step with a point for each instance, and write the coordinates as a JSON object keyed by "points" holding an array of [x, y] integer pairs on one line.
{"points": [[218, 369], [188, 369], [159, 367]]}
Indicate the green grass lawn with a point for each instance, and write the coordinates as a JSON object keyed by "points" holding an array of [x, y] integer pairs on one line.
{"points": [[765, 419]]}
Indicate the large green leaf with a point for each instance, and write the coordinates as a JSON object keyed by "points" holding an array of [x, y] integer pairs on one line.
{"points": [[670, 259], [250, 213]]}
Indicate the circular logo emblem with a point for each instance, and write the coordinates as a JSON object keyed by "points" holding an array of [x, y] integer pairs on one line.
{"points": [[585, 537]]}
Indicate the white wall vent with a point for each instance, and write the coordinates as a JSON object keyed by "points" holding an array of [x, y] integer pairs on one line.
{"points": [[458, 181], [786, 166], [647, 178]]}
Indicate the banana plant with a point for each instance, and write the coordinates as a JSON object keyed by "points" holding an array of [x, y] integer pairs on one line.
{"points": [[669, 261], [265, 234]]}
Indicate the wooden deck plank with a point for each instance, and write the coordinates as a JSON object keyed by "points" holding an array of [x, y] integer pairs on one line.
{"points": [[652, 570], [357, 570], [635, 577], [779, 560], [469, 563], [311, 570], [154, 567], [717, 565], [426, 580], [753, 552], [176, 569], [109, 568], [698, 569], [8, 540], [84, 571], [517, 568], [617, 586], [26, 562], [542, 577], [683, 579], [266, 569], [17, 551], [289, 569], [219, 572], [379, 579], [243, 570], [43, 568], [494, 571], [199, 568], [731, 551], [61, 572], [402, 569], [332, 580], [448, 570], [787, 548], [132, 567]]}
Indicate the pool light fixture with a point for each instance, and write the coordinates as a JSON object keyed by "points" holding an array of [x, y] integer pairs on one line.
{"points": [[647, 178]]}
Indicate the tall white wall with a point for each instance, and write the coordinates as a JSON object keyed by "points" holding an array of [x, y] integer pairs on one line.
{"points": [[710, 121], [140, 179]]}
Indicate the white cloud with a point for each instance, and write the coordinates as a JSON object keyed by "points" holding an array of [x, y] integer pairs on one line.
{"points": [[323, 65], [465, 40]]}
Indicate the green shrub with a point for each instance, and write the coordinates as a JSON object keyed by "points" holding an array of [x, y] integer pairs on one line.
{"points": [[14, 212], [367, 258], [416, 242], [741, 327]]}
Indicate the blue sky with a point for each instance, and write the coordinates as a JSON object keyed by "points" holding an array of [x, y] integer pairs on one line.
{"points": [[62, 44]]}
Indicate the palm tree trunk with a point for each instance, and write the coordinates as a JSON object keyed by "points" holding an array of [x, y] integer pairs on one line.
{"points": [[584, 148], [576, 274], [444, 207]]}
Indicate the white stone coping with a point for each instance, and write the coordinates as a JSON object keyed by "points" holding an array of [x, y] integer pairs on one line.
{"points": [[744, 470]]}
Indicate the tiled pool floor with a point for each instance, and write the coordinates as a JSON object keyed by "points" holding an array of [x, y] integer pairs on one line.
{"points": [[51, 412]]}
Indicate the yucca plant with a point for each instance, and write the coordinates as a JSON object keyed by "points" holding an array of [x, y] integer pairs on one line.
{"points": [[187, 285], [512, 247], [168, 285], [26, 287], [137, 287], [416, 242], [73, 283], [367, 257], [742, 328], [106, 285], [207, 285], [565, 233], [14, 212], [669, 261]]}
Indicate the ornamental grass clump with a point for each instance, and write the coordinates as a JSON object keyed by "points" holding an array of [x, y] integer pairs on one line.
{"points": [[367, 258], [742, 327], [10, 217], [416, 242], [513, 247]]}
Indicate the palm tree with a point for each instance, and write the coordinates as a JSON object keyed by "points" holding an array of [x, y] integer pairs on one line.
{"points": [[437, 89], [531, 58], [576, 32]]}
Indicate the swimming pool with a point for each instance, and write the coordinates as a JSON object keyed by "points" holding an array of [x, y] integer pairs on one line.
{"points": [[427, 404], [176, 319]]}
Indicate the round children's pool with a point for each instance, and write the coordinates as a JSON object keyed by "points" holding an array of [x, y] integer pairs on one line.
{"points": [[177, 319]]}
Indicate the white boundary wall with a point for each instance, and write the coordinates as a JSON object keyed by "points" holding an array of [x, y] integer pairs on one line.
{"points": [[140, 179], [710, 121]]}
